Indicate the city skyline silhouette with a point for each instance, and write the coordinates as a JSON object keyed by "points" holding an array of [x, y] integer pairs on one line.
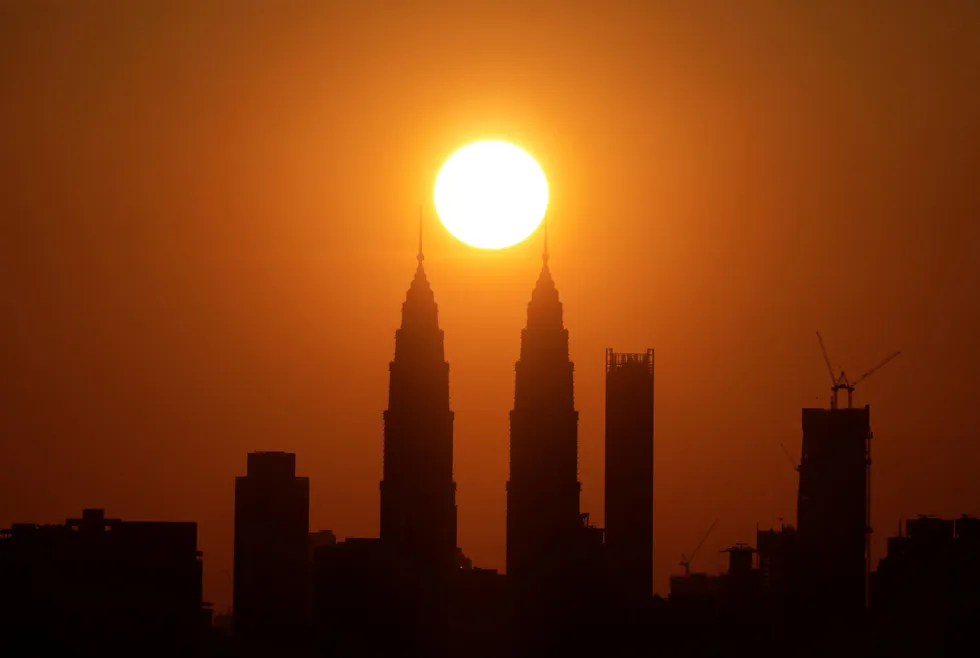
{"points": [[209, 225], [120, 585]]}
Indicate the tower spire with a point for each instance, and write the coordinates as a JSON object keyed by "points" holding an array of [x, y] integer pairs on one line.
{"points": [[420, 256], [418, 499], [544, 254]]}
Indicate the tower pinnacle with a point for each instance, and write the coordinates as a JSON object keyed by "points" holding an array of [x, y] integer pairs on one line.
{"points": [[544, 255], [420, 256]]}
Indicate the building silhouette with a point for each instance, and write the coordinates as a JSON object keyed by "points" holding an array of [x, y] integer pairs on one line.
{"points": [[480, 623], [555, 558], [931, 575], [629, 474], [271, 562], [832, 509], [102, 586], [742, 593], [394, 593], [318, 539], [418, 494], [778, 556], [358, 604], [543, 490]]}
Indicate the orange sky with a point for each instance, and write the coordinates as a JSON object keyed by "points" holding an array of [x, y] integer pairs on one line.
{"points": [[209, 220]]}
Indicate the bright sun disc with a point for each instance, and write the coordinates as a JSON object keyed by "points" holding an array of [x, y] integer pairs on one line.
{"points": [[491, 194]]}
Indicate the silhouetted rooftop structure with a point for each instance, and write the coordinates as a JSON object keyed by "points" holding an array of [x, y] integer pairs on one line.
{"points": [[271, 570], [359, 601], [695, 586], [103, 582], [270, 465], [927, 584]]}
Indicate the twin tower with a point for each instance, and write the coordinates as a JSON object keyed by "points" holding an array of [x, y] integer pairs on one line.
{"points": [[547, 536]]}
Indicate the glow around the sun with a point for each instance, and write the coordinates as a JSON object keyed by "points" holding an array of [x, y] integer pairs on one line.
{"points": [[491, 194]]}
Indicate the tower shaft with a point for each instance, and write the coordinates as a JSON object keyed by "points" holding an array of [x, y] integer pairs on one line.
{"points": [[629, 473], [543, 521], [832, 509], [418, 494]]}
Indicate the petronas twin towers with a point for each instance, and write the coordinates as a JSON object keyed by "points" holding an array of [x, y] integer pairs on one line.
{"points": [[418, 494]]}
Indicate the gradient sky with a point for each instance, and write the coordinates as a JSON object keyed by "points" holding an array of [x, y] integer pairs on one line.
{"points": [[209, 223]]}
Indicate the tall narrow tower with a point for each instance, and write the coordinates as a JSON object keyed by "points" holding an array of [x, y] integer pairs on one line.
{"points": [[543, 522], [629, 473], [272, 511], [418, 494]]}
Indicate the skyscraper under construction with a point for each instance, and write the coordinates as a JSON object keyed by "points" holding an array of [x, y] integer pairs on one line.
{"points": [[832, 511], [629, 474]]}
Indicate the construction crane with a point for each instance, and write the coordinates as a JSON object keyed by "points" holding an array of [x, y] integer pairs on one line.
{"points": [[840, 382], [796, 467], [686, 561]]}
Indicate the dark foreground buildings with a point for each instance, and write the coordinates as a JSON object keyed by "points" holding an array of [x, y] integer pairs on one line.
{"points": [[629, 475], [813, 575], [101, 586], [931, 575], [107, 587], [271, 572], [355, 602]]}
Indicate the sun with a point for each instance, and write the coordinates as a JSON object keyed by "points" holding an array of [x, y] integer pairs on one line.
{"points": [[491, 194]]}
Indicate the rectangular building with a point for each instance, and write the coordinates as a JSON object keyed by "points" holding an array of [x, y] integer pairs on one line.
{"points": [[101, 584], [358, 606], [629, 473], [832, 509], [929, 580], [271, 572]]}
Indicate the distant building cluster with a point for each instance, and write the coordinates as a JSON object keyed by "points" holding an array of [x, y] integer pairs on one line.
{"points": [[413, 591]]}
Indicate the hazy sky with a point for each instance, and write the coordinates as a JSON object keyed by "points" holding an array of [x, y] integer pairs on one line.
{"points": [[209, 223]]}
